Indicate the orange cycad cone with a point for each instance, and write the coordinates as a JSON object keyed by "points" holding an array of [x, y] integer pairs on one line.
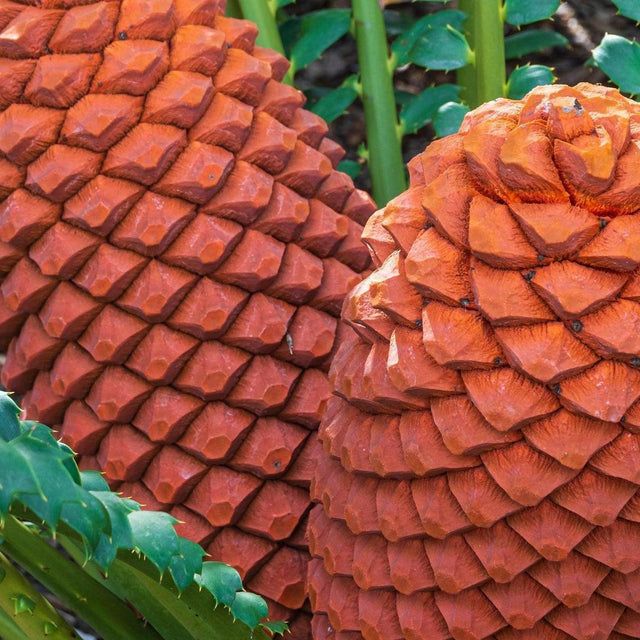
{"points": [[175, 247], [480, 473]]}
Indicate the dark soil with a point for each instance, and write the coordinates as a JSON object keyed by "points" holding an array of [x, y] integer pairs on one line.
{"points": [[582, 22]]}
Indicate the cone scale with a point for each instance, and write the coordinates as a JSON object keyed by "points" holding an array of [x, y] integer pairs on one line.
{"points": [[175, 247], [480, 472]]}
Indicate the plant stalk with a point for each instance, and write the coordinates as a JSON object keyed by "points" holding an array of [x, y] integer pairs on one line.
{"points": [[28, 612], [233, 9], [484, 79], [384, 138], [108, 615], [263, 14]]}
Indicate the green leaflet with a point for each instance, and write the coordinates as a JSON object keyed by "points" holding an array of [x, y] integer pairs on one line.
{"points": [[17, 477], [9, 423], [523, 79], [628, 8], [524, 42], [619, 58], [519, 12], [314, 33], [448, 118], [402, 45], [336, 102], [249, 607], [154, 536], [420, 110], [442, 48], [221, 580]]}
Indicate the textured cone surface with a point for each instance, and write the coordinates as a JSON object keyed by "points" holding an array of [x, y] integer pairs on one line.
{"points": [[175, 247], [480, 472]]}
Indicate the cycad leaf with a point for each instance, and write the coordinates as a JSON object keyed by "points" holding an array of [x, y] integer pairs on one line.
{"points": [[628, 8], [318, 31], [154, 536], [402, 45], [440, 48], [221, 580], [523, 79], [9, 422], [186, 563], [336, 102], [531, 41], [448, 118], [619, 58], [519, 12], [250, 608], [17, 476], [421, 108]]}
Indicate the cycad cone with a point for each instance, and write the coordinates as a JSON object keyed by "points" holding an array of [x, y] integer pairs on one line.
{"points": [[175, 249], [481, 468]]}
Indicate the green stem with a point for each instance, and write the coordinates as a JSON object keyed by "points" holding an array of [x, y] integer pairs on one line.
{"points": [[384, 138], [107, 614], [9, 630], [263, 14], [233, 9], [26, 609], [485, 78]]}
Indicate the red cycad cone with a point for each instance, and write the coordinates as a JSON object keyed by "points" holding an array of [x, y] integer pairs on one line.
{"points": [[175, 246], [480, 477]]}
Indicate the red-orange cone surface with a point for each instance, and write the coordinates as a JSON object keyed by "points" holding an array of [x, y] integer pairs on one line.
{"points": [[175, 245], [481, 467]]}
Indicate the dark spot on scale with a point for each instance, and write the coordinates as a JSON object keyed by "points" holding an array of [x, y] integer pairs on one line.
{"points": [[122, 35], [228, 45], [529, 276], [555, 388], [623, 420], [465, 302], [540, 257], [277, 464], [427, 226], [425, 303], [576, 325], [418, 323], [497, 360], [603, 223], [578, 107], [635, 362], [48, 51]]}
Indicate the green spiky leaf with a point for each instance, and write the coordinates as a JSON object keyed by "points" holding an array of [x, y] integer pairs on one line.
{"points": [[17, 476], [448, 118], [186, 563], [154, 536], [619, 58], [250, 608], [441, 48], [523, 79], [420, 110], [531, 41], [276, 627], [334, 103], [318, 30], [519, 12], [402, 46], [221, 580], [9, 422], [628, 8]]}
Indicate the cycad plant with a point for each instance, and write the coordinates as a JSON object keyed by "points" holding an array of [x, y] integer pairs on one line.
{"points": [[122, 570]]}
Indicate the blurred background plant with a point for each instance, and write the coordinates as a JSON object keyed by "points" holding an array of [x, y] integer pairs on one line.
{"points": [[390, 76]]}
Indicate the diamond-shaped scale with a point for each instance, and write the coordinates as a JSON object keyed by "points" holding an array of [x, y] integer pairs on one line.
{"points": [[176, 244]]}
